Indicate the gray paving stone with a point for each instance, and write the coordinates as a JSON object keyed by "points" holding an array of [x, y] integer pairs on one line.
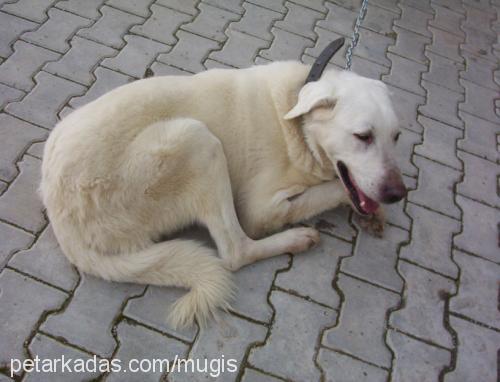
{"points": [[422, 314], [45, 261], [256, 21], [35, 10], [410, 45], [445, 44], [229, 5], [21, 311], [423, 5], [480, 137], [211, 22], [334, 222], [17, 71], [478, 290], [479, 4], [405, 105], [375, 259], [286, 46], [447, 19], [136, 56], [12, 239], [436, 182], [189, 52], [404, 151], [160, 69], [162, 24], [317, 5], [47, 348], [439, 142], [89, 8], [444, 72], [405, 74], [390, 5], [479, 42], [480, 179], [20, 204], [299, 20], [275, 5], [45, 100], [106, 80], [442, 104], [15, 137], [339, 20], [56, 32], [239, 50], [229, 337], [36, 149], [212, 64], [379, 20], [324, 38], [480, 71], [110, 28], [8, 95], [153, 309], [414, 20], [395, 213], [251, 296], [352, 5], [311, 274], [431, 240], [4, 378], [306, 321], [137, 7], [360, 331], [11, 27], [477, 353], [95, 305], [480, 229], [252, 375], [367, 68], [79, 62], [415, 360], [479, 101], [186, 6], [339, 367], [140, 343], [373, 47]]}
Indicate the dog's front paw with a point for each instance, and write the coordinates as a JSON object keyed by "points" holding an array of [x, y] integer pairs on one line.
{"points": [[302, 239], [373, 224]]}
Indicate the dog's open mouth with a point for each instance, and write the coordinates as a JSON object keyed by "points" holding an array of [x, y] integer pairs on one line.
{"points": [[361, 201]]}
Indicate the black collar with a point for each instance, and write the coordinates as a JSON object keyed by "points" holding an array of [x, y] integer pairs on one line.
{"points": [[324, 57]]}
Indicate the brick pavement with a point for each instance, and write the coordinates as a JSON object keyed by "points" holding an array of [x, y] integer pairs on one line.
{"points": [[419, 305]]}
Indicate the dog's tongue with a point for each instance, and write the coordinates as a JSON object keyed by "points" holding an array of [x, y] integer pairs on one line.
{"points": [[369, 206]]}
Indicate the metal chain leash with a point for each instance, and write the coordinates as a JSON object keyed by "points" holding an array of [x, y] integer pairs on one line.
{"points": [[355, 35]]}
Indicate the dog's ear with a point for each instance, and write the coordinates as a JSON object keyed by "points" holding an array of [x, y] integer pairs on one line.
{"points": [[312, 95]]}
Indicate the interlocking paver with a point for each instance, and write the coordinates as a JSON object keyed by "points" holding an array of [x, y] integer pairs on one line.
{"points": [[405, 74], [257, 21], [189, 52], [338, 20], [439, 142], [229, 5], [252, 375], [480, 179], [45, 261], [286, 46], [334, 222], [138, 342], [480, 71], [422, 314], [479, 137], [479, 101], [477, 352], [415, 360], [373, 46], [78, 63], [239, 50], [311, 276], [442, 104], [20, 204], [375, 259], [17, 71], [211, 22], [379, 20], [299, 20], [405, 106], [160, 69], [445, 44], [136, 56], [162, 24], [423, 5], [45, 100], [444, 72], [275, 5], [340, 367], [10, 28], [186, 6], [431, 240], [360, 331], [410, 45], [414, 20], [480, 229], [478, 291], [12, 239], [56, 32], [94, 305], [404, 149], [21, 311], [89, 8], [305, 320], [110, 28], [139, 8], [367, 68], [447, 19], [35, 10], [15, 137]]}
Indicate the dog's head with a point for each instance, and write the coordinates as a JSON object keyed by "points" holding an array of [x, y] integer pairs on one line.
{"points": [[350, 120]]}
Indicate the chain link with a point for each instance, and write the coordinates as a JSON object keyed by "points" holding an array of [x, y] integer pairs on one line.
{"points": [[355, 35]]}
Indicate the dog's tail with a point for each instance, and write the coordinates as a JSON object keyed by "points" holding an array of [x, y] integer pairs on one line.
{"points": [[182, 263]]}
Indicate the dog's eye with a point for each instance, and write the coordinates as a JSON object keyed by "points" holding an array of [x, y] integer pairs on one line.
{"points": [[365, 137], [396, 137]]}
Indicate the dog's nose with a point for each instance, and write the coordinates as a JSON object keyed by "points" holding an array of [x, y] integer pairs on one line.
{"points": [[393, 193]]}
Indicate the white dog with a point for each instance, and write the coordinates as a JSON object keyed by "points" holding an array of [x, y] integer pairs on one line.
{"points": [[243, 152]]}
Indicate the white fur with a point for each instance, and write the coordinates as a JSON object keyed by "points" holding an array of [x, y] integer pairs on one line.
{"points": [[157, 155]]}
